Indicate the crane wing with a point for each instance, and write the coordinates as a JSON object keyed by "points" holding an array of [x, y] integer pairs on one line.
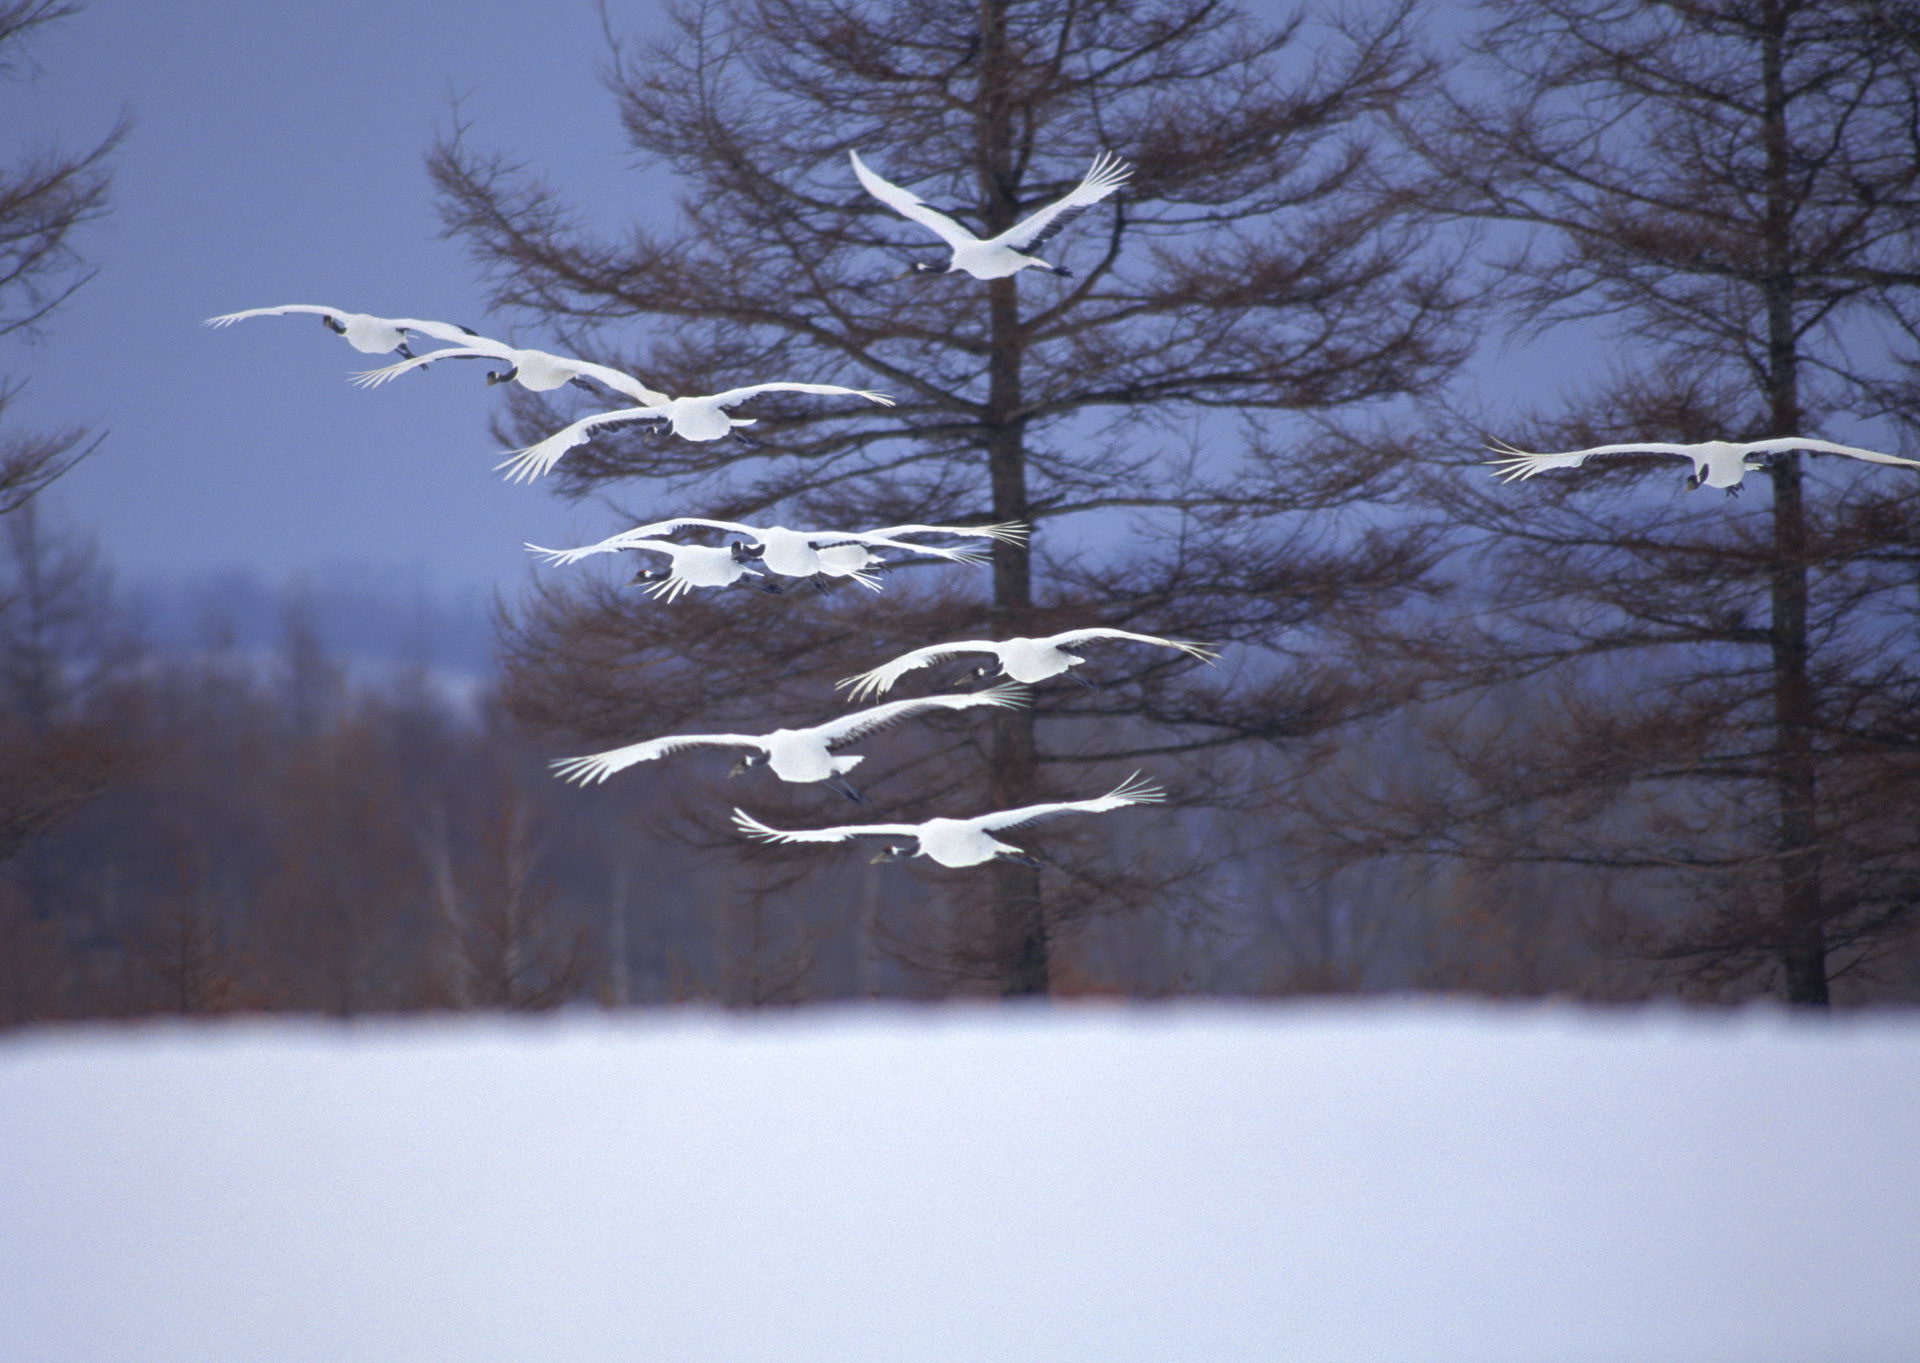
{"points": [[1107, 174], [536, 461], [1006, 532], [668, 527], [1206, 653], [881, 679], [1517, 463], [621, 382], [733, 397], [229, 318], [373, 378], [613, 544], [1792, 442], [440, 331], [963, 554], [850, 728], [599, 766], [910, 205], [753, 828], [1132, 791]]}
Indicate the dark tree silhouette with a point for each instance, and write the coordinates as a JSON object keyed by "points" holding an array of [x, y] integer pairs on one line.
{"points": [[46, 197], [1731, 185], [54, 754], [1154, 416]]}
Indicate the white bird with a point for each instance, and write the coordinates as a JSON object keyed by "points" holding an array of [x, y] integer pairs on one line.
{"points": [[1010, 252], [698, 418], [1024, 660], [740, 556], [537, 370], [693, 565], [804, 553], [1716, 463], [798, 755], [364, 332], [959, 842]]}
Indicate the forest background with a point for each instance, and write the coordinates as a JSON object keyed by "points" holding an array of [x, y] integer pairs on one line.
{"points": [[1588, 736]]}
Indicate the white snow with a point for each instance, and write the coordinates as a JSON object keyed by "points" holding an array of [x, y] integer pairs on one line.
{"points": [[1392, 1183]]}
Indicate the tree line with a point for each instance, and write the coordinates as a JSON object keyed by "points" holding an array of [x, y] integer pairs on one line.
{"points": [[1587, 735]]}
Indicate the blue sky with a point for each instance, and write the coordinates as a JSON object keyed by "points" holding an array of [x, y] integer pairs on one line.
{"points": [[277, 158]]}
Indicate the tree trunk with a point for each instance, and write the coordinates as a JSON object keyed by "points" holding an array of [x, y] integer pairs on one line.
{"points": [[1803, 947], [1019, 929]]}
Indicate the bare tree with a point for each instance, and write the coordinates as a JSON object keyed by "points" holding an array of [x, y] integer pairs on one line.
{"points": [[46, 197], [1730, 185], [512, 951], [1152, 415], [54, 755]]}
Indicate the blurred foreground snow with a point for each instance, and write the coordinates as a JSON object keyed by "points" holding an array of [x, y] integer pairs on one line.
{"points": [[1399, 1182]]}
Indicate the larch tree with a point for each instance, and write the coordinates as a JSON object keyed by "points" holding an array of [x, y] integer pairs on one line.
{"points": [[47, 197], [1160, 416], [1723, 689], [54, 754]]}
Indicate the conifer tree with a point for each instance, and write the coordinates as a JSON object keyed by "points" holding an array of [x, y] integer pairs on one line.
{"points": [[1157, 415], [1724, 688]]}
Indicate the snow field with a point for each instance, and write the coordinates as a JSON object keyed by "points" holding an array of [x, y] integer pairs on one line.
{"points": [[1462, 1183]]}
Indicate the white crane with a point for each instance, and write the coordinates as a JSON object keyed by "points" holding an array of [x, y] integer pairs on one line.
{"points": [[804, 553], [798, 755], [1024, 660], [698, 418], [1011, 251], [364, 332], [959, 842], [693, 565], [1716, 463], [537, 370], [741, 555]]}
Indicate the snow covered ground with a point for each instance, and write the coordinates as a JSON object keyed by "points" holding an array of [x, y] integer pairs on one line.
{"points": [[1319, 1183]]}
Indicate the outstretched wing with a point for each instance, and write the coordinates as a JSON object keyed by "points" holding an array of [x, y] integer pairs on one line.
{"points": [[229, 318], [881, 679], [536, 461], [1794, 442], [373, 378], [1006, 532], [620, 382], [1517, 463], [910, 205], [963, 554], [599, 766], [1107, 174], [450, 332], [850, 728], [1132, 791], [733, 397], [613, 544], [668, 527], [1206, 653], [753, 828]]}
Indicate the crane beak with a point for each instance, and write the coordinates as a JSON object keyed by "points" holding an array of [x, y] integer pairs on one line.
{"points": [[884, 854], [738, 767]]}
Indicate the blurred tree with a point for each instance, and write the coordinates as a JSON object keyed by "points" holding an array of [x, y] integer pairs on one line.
{"points": [[54, 754], [46, 197], [1716, 685], [508, 949], [1256, 264]]}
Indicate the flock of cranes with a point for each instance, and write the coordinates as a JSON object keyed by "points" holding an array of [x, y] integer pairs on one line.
{"points": [[758, 555]]}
